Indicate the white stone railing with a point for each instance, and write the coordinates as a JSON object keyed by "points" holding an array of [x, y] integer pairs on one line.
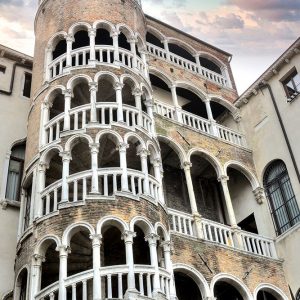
{"points": [[218, 233], [48, 293], [109, 179], [106, 114], [104, 55], [200, 124], [187, 65]]}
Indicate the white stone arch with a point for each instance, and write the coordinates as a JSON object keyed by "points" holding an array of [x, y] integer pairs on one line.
{"points": [[244, 170], [147, 90], [55, 38], [159, 225], [157, 33], [72, 229], [183, 45], [163, 76], [140, 42], [45, 242], [209, 157], [127, 77], [107, 75], [72, 141], [17, 287], [189, 86], [79, 26], [212, 58], [143, 223], [126, 30], [77, 79], [110, 27], [272, 289], [150, 145], [223, 102], [51, 94], [46, 156], [116, 136], [196, 276], [176, 147], [111, 220], [130, 135], [234, 281]]}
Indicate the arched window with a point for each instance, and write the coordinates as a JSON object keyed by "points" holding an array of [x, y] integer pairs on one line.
{"points": [[15, 171], [284, 208]]}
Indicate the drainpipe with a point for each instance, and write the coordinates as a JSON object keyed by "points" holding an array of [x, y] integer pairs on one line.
{"points": [[266, 85]]}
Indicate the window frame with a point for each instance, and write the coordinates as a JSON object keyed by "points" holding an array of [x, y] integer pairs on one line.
{"points": [[24, 85], [289, 77]]}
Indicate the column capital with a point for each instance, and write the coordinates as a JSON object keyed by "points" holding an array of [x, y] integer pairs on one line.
{"points": [[167, 246], [118, 86], [49, 49], [94, 147], [70, 38], [93, 86], [92, 32], [67, 93], [132, 40], [149, 103], [115, 33], [137, 92], [128, 236], [223, 178], [259, 194], [122, 147], [47, 104], [207, 99], [43, 166], [63, 250], [96, 239], [165, 40], [186, 165], [152, 238], [156, 162], [143, 152], [38, 259], [173, 86], [66, 156], [236, 115]]}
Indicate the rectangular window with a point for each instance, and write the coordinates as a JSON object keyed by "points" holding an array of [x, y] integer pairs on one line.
{"points": [[27, 85], [2, 69], [292, 85]]}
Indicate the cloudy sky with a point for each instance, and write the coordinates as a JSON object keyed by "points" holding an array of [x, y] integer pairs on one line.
{"points": [[256, 32]]}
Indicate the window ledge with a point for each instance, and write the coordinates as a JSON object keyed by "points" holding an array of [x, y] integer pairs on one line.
{"points": [[288, 232], [6, 202]]}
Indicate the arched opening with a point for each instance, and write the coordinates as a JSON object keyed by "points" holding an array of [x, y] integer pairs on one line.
{"points": [[225, 291], [243, 201], [220, 112], [264, 295], [81, 156], [60, 49], [80, 93], [176, 49], [50, 266], [21, 285], [160, 250], [186, 287], [161, 90], [282, 200], [174, 182], [150, 159], [127, 93], [210, 65], [54, 170], [141, 252], [207, 189], [81, 39], [57, 101], [133, 159], [15, 172], [106, 91], [103, 37], [191, 102], [123, 41], [154, 40]]}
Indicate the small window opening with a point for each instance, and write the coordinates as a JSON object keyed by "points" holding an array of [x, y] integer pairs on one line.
{"points": [[27, 85], [206, 63], [152, 39], [181, 52], [292, 85], [2, 69]]}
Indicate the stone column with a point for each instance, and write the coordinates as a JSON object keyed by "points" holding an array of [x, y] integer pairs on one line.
{"points": [[67, 122], [132, 43], [149, 105], [123, 164], [48, 60], [33, 192], [137, 93], [167, 245], [118, 88], [152, 240], [41, 186], [231, 216], [96, 242], [94, 163], [22, 214], [175, 103], [197, 217], [128, 239], [35, 275], [213, 123], [92, 35], [166, 47], [93, 91], [143, 153], [115, 38], [197, 58], [69, 41], [45, 120], [157, 172], [63, 271], [144, 53], [66, 158]]}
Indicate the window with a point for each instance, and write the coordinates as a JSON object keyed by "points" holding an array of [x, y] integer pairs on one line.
{"points": [[15, 171], [284, 208], [2, 69], [27, 85], [292, 85]]}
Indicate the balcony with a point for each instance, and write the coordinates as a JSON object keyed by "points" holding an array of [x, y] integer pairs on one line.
{"points": [[221, 234], [201, 125]]}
